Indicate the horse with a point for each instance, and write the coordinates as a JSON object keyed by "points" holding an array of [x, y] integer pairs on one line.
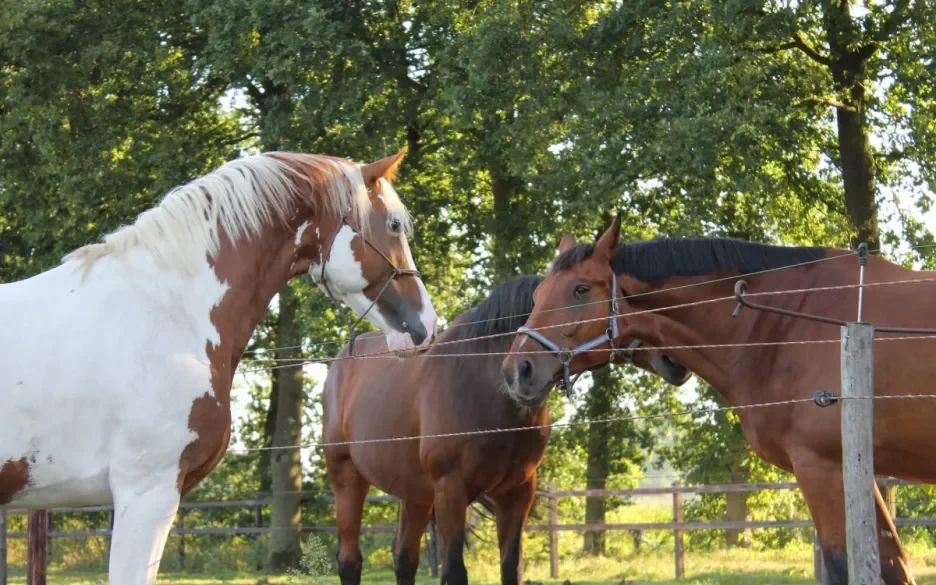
{"points": [[116, 365], [687, 287], [439, 393]]}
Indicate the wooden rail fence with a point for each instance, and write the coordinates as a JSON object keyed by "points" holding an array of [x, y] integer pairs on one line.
{"points": [[39, 535]]}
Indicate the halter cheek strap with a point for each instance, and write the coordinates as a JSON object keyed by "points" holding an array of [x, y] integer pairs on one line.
{"points": [[567, 355], [339, 309]]}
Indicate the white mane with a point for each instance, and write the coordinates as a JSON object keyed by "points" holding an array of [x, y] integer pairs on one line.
{"points": [[240, 197]]}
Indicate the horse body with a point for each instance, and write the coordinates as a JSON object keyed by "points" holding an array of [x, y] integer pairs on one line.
{"points": [[801, 438], [102, 375], [441, 394], [435, 395], [117, 365]]}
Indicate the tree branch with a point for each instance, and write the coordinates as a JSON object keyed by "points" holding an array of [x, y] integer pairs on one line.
{"points": [[803, 45], [896, 18], [825, 101], [254, 92], [774, 49]]}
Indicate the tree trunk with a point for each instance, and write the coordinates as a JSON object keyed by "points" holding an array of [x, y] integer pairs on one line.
{"points": [[889, 494], [285, 466], [502, 250], [597, 405], [736, 510], [847, 62], [858, 174]]}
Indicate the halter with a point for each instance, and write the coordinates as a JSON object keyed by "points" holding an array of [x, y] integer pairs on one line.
{"points": [[340, 310], [566, 355]]}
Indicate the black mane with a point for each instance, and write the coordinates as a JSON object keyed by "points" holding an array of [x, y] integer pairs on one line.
{"points": [[656, 260], [504, 311]]}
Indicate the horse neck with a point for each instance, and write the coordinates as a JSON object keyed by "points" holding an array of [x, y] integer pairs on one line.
{"points": [[710, 322], [481, 383], [253, 271]]}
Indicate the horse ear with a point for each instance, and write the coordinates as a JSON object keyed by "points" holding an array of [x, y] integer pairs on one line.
{"points": [[608, 242], [385, 168], [567, 242]]}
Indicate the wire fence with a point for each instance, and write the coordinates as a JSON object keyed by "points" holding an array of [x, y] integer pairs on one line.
{"points": [[552, 525]]}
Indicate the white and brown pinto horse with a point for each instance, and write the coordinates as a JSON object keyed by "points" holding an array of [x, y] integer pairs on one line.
{"points": [[116, 366]]}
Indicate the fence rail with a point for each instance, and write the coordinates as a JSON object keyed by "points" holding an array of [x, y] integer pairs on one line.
{"points": [[553, 527]]}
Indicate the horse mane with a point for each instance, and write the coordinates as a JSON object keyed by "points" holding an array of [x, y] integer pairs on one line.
{"points": [[659, 259], [504, 311], [239, 198]]}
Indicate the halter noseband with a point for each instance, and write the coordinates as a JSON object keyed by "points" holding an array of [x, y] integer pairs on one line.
{"points": [[567, 355], [339, 309]]}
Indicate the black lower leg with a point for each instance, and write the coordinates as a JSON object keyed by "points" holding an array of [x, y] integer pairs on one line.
{"points": [[835, 566], [405, 568], [349, 570], [454, 571], [510, 563]]}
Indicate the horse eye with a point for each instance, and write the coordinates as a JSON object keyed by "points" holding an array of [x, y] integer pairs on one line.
{"points": [[395, 226], [581, 290]]}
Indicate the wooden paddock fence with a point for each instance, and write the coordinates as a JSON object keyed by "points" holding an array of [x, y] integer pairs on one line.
{"points": [[40, 537]]}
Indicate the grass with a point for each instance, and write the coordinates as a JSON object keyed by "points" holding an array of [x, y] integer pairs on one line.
{"points": [[724, 568], [654, 564]]}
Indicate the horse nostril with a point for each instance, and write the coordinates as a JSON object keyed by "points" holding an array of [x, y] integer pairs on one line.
{"points": [[508, 376], [417, 332], [526, 370]]}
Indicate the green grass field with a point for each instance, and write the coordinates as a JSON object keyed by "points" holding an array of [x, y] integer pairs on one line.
{"points": [[728, 568], [654, 564]]}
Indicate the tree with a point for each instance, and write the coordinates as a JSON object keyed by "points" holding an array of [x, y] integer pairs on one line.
{"points": [[99, 117]]}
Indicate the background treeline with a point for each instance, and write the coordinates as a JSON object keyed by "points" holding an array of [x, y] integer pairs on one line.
{"points": [[807, 122]]}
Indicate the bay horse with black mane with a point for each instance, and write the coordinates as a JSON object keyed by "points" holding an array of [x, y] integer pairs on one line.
{"points": [[800, 438], [116, 366], [436, 394]]}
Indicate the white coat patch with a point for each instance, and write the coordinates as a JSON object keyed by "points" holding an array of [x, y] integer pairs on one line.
{"points": [[102, 373]]}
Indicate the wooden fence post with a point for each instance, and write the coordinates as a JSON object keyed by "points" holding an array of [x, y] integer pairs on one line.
{"points": [[433, 550], [677, 532], [181, 538], [110, 527], [858, 454], [817, 557], [3, 548], [37, 537], [258, 523], [553, 535]]}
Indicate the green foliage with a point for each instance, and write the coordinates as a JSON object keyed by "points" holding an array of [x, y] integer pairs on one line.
{"points": [[521, 119], [317, 563]]}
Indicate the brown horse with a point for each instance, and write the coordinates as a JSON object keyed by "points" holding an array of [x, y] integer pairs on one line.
{"points": [[801, 438], [368, 399]]}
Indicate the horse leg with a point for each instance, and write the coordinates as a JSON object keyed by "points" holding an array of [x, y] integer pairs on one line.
{"points": [[895, 564], [145, 505], [413, 521], [451, 506], [820, 480], [350, 489], [512, 509]]}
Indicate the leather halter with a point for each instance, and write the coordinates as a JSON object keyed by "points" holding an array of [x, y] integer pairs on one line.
{"points": [[566, 355], [339, 309]]}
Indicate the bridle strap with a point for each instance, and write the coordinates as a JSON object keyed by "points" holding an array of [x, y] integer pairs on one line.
{"points": [[340, 310], [567, 355]]}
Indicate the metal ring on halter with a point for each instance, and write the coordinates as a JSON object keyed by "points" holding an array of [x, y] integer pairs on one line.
{"points": [[340, 311], [627, 355]]}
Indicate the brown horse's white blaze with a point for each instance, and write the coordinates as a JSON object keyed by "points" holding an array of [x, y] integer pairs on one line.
{"points": [[135, 341], [801, 438]]}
